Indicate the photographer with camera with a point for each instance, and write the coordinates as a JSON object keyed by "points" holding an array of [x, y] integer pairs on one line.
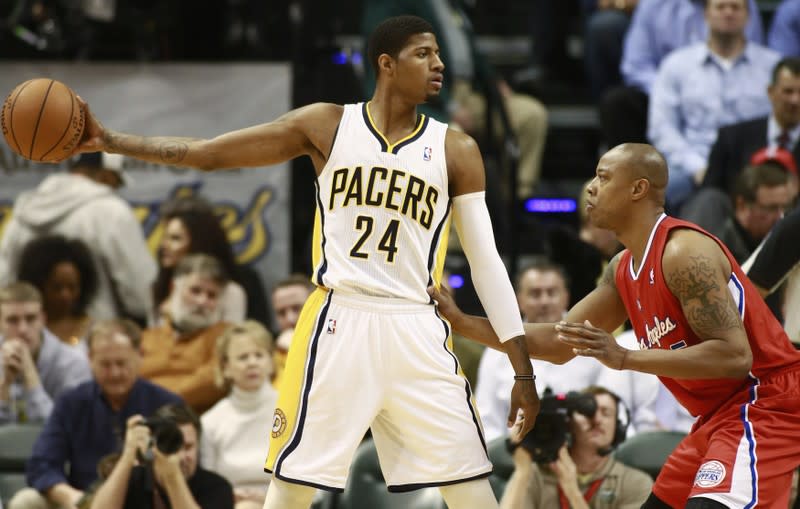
{"points": [[158, 467], [566, 461]]}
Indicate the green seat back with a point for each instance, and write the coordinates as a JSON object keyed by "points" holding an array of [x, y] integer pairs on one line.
{"points": [[366, 487], [649, 450]]}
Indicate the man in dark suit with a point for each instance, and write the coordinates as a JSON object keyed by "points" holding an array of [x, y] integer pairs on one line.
{"points": [[736, 143]]}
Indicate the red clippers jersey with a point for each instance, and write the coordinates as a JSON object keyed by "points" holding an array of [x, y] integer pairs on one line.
{"points": [[659, 322]]}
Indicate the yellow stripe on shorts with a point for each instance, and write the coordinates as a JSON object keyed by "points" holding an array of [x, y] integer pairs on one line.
{"points": [[289, 410]]}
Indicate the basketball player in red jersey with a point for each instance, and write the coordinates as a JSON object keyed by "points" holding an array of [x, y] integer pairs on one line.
{"points": [[702, 328]]}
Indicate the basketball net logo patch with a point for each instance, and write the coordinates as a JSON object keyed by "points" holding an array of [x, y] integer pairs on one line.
{"points": [[331, 328], [278, 423], [710, 474]]}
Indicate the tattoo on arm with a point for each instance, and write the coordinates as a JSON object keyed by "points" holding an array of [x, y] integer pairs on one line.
{"points": [[708, 306], [609, 276], [173, 152], [164, 150]]}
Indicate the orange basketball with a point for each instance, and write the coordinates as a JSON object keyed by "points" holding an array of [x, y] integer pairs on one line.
{"points": [[42, 120]]}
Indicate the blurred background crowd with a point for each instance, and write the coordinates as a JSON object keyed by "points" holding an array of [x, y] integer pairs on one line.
{"points": [[100, 324]]}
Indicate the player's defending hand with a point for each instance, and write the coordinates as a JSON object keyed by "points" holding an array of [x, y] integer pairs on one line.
{"points": [[589, 341], [93, 132], [445, 303]]}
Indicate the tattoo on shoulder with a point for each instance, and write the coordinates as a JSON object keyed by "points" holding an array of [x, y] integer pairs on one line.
{"points": [[708, 305], [172, 152]]}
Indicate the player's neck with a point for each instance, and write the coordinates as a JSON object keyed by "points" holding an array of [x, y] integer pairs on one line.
{"points": [[392, 113], [636, 234]]}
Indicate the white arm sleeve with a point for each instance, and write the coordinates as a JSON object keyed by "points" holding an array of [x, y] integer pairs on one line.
{"points": [[489, 275]]}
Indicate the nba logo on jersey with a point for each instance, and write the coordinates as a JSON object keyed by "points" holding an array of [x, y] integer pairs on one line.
{"points": [[652, 277], [331, 326], [426, 154]]}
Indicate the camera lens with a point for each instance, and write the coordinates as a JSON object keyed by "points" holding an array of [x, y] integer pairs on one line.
{"points": [[166, 434]]}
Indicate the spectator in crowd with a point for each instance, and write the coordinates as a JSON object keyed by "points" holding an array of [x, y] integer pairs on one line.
{"points": [[777, 261], [585, 474], [711, 207], [607, 23], [35, 367], [784, 34], [736, 144], [760, 197], [703, 86], [657, 28], [166, 480], [233, 430], [83, 204], [191, 226], [63, 271], [179, 354], [288, 297], [88, 421], [470, 87]]}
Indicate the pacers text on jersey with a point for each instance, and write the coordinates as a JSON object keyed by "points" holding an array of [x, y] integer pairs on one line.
{"points": [[393, 189]]}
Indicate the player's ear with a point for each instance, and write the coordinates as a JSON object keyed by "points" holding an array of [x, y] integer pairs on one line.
{"points": [[386, 64], [640, 188]]}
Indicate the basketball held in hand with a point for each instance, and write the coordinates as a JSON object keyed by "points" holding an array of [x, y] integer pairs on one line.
{"points": [[42, 120]]}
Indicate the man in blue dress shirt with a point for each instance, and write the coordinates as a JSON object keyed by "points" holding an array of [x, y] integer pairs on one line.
{"points": [[703, 86], [657, 28]]}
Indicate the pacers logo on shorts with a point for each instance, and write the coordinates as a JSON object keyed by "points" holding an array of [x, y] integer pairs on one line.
{"points": [[278, 423], [710, 474]]}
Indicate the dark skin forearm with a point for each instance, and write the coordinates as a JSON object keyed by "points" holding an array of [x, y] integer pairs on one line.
{"points": [[540, 338], [170, 150]]}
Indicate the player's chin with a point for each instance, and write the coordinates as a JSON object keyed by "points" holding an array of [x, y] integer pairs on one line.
{"points": [[432, 96]]}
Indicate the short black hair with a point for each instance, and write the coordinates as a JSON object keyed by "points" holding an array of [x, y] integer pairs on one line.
{"points": [[40, 256], [791, 64], [392, 34]]}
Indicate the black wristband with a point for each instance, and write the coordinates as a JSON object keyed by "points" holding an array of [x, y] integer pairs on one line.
{"points": [[530, 377]]}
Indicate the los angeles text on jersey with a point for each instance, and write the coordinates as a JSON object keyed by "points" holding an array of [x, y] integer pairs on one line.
{"points": [[393, 189], [661, 328]]}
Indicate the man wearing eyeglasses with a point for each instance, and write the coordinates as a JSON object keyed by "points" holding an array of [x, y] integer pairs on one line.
{"points": [[760, 196]]}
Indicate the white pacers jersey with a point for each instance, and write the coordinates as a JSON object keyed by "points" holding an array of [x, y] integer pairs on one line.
{"points": [[383, 211]]}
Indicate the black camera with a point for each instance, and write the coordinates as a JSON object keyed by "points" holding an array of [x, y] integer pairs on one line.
{"points": [[552, 424], [167, 436]]}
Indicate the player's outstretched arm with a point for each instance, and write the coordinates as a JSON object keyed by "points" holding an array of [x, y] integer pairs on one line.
{"points": [[602, 307], [304, 131]]}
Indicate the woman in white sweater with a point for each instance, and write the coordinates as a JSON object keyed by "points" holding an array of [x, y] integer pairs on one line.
{"points": [[235, 430]]}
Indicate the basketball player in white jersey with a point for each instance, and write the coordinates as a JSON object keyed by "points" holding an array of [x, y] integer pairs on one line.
{"points": [[370, 349]]}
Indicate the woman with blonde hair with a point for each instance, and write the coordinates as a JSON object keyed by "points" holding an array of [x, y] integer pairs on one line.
{"points": [[234, 442]]}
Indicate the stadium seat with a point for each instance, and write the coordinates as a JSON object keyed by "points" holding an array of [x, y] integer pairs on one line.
{"points": [[503, 465], [648, 450], [366, 487], [16, 443]]}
